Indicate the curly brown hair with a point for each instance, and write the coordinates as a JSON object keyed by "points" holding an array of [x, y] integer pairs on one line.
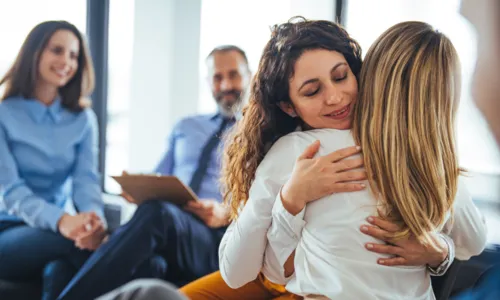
{"points": [[263, 122]]}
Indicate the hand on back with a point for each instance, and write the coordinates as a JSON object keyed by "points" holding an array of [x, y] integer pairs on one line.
{"points": [[316, 177]]}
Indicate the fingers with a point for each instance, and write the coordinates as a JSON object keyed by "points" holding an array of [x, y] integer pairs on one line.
{"points": [[200, 212], [93, 229], [87, 244], [383, 224], [394, 261], [127, 197], [376, 232], [194, 204], [350, 176], [384, 249], [92, 240], [347, 164], [92, 222], [310, 151], [190, 209], [209, 204], [347, 187], [342, 153]]}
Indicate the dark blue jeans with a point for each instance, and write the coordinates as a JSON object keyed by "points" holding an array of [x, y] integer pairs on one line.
{"points": [[486, 288], [189, 249], [27, 255]]}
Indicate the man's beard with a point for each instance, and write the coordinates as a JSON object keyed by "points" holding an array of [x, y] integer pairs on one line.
{"points": [[229, 109]]}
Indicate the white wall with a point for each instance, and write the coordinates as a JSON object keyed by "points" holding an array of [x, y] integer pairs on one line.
{"points": [[164, 75], [313, 9]]}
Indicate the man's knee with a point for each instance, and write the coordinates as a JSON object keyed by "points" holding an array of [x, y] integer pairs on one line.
{"points": [[154, 267], [157, 215], [157, 208]]}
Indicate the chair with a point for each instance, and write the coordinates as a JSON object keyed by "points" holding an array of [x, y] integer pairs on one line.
{"points": [[32, 290]]}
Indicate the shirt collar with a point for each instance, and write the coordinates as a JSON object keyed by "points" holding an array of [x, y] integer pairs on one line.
{"points": [[218, 116], [38, 110], [215, 116]]}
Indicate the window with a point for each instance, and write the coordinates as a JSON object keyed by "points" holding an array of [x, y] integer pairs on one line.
{"points": [[366, 20], [120, 46], [17, 21]]}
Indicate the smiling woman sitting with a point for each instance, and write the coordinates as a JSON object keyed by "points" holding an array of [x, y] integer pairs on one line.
{"points": [[48, 156]]}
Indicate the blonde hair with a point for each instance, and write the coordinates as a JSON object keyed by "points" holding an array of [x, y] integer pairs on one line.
{"points": [[404, 122]]}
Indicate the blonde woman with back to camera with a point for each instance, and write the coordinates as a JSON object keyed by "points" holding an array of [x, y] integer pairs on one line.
{"points": [[404, 120]]}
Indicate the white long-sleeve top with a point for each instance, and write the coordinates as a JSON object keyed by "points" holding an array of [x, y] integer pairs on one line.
{"points": [[330, 258], [244, 251]]}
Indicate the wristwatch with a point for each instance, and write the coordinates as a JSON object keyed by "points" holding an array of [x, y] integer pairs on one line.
{"points": [[440, 270]]}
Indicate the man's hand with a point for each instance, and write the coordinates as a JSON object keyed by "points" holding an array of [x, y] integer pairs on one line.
{"points": [[213, 213], [128, 198], [407, 252]]}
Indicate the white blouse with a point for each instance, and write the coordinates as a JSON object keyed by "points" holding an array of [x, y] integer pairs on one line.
{"points": [[331, 259]]}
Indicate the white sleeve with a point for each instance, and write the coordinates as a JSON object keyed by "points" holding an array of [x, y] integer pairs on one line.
{"points": [[468, 227], [241, 252], [451, 256], [284, 234]]}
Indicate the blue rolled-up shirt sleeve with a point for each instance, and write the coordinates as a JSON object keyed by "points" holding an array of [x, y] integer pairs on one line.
{"points": [[87, 194], [18, 199], [167, 163]]}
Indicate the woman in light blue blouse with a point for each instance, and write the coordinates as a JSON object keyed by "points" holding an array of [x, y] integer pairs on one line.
{"points": [[48, 158]]}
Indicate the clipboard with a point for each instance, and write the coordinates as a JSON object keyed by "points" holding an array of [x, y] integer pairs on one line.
{"points": [[148, 187]]}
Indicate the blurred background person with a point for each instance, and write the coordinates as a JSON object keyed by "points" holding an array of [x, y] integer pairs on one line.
{"points": [[48, 156], [163, 240]]}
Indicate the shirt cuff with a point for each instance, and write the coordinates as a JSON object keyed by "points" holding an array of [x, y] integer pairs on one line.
{"points": [[285, 232], [443, 268], [52, 214], [292, 224]]}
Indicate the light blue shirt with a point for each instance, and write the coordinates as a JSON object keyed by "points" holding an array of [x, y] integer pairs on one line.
{"points": [[185, 145], [48, 156]]}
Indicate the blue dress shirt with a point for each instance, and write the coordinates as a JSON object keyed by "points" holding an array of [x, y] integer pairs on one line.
{"points": [[48, 156], [185, 145]]}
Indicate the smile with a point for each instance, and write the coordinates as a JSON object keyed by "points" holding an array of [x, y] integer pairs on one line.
{"points": [[60, 73], [340, 114]]}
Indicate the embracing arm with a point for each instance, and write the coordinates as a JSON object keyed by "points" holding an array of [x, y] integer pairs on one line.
{"points": [[241, 252]]}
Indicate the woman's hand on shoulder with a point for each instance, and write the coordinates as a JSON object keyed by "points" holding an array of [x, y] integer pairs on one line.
{"points": [[316, 177]]}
